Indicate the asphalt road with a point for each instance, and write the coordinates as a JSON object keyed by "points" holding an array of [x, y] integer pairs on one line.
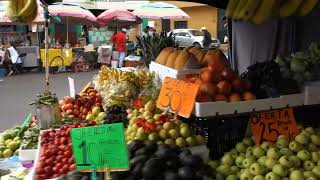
{"points": [[17, 91]]}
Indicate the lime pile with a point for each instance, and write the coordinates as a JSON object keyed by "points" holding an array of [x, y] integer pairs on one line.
{"points": [[10, 142]]}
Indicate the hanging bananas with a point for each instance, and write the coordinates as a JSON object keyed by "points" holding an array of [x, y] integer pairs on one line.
{"points": [[259, 11], [22, 11]]}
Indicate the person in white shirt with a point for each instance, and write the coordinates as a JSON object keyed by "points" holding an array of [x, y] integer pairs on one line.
{"points": [[14, 56]]}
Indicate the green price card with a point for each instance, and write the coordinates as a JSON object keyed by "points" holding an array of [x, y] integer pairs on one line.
{"points": [[100, 147]]}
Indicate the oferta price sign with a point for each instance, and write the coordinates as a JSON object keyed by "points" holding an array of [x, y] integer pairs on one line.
{"points": [[100, 147], [269, 125]]}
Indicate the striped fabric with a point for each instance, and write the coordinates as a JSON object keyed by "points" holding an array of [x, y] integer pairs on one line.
{"points": [[160, 10]]}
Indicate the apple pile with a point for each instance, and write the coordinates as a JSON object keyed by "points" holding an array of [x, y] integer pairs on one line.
{"points": [[298, 159], [218, 82], [56, 157], [82, 105], [146, 124]]}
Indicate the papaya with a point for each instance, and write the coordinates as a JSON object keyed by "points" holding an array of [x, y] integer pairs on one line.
{"points": [[181, 60], [172, 59], [164, 54]]}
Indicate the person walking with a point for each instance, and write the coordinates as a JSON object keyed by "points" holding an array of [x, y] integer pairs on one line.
{"points": [[207, 40], [120, 41]]}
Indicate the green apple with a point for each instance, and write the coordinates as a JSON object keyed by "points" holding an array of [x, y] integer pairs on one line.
{"points": [[259, 177], [232, 177], [296, 161], [102, 114], [306, 133], [270, 162], [285, 178], [310, 130], [308, 174], [308, 165], [223, 169], [272, 176], [302, 139], [266, 145], [262, 160], [248, 141], [163, 134], [247, 162], [285, 152], [184, 125], [312, 147], [153, 137], [168, 126], [249, 152], [295, 146], [282, 142], [185, 132], [296, 175], [280, 170], [258, 152], [286, 161], [273, 153], [234, 170], [312, 178], [304, 155], [180, 142], [246, 175], [169, 142], [256, 169], [239, 161], [315, 157], [191, 141], [96, 110], [173, 133], [316, 171], [234, 153], [213, 164], [227, 159], [315, 139], [241, 147]]}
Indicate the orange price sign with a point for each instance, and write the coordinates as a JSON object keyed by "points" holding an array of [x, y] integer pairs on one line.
{"points": [[268, 125], [179, 96]]}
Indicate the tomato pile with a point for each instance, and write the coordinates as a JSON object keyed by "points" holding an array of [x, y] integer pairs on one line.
{"points": [[82, 105], [56, 156]]}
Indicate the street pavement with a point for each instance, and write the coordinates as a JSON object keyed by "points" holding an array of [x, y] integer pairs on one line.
{"points": [[17, 91]]}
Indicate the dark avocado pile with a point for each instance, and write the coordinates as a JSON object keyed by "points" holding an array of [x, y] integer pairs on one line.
{"points": [[163, 162]]}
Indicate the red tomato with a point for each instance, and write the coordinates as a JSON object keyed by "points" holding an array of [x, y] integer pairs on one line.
{"points": [[76, 107], [75, 112], [67, 99], [55, 170], [59, 165], [48, 170], [67, 154], [39, 170], [69, 111], [64, 160], [71, 160], [65, 168], [72, 167], [69, 106]]}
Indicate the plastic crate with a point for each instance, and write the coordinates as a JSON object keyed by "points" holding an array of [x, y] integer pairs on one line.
{"points": [[223, 132]]}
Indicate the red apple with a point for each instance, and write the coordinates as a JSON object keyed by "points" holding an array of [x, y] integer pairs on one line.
{"points": [[247, 96], [238, 86], [234, 97], [228, 74], [206, 75], [203, 98], [224, 87], [208, 88], [220, 97]]}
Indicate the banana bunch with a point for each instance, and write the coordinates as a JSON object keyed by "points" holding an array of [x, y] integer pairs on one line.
{"points": [[22, 11], [259, 11]]}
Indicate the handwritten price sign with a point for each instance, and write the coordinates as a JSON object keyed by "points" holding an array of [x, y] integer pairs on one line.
{"points": [[179, 96], [267, 126], [102, 147]]}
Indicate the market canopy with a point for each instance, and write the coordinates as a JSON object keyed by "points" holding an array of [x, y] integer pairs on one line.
{"points": [[160, 10], [72, 14], [117, 15], [4, 19]]}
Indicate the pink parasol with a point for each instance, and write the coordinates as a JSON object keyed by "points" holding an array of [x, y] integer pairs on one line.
{"points": [[116, 15]]}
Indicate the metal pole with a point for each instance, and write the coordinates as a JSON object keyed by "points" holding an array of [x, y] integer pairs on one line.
{"points": [[67, 29], [46, 44]]}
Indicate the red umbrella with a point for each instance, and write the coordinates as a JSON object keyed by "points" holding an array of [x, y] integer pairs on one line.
{"points": [[117, 15]]}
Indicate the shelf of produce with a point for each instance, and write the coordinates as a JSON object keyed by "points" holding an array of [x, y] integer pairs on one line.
{"points": [[224, 108], [165, 71]]}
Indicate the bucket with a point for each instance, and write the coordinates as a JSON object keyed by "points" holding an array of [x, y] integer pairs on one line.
{"points": [[47, 115], [114, 63]]}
